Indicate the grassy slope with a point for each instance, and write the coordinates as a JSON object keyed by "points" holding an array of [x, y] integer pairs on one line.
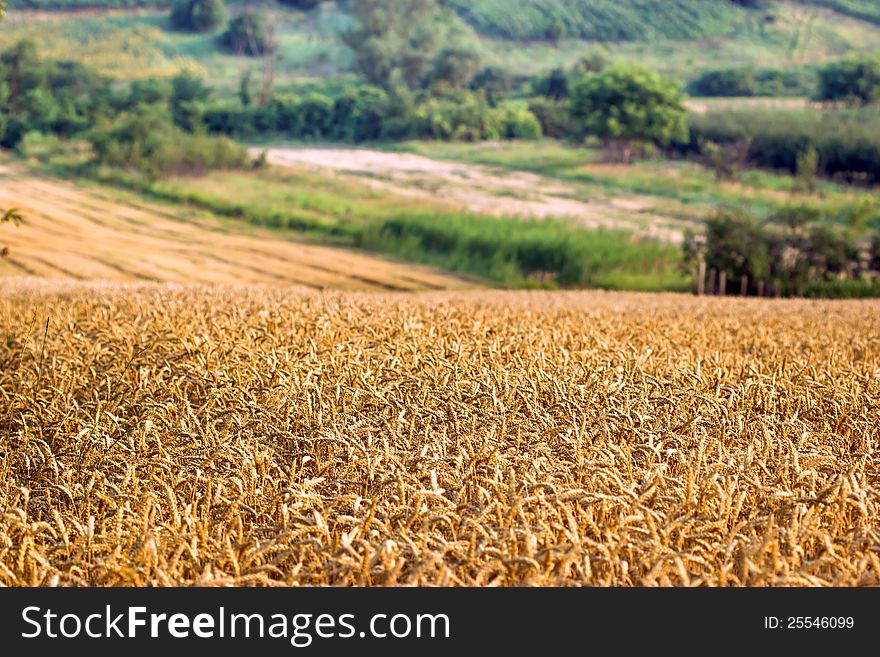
{"points": [[129, 44]]}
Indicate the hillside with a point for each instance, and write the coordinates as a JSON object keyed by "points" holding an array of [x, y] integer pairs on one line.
{"points": [[680, 38], [602, 20]]}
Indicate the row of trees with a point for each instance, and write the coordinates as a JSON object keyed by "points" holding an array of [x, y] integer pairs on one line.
{"points": [[853, 81]]}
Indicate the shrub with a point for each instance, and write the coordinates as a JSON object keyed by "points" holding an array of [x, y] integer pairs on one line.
{"points": [[847, 143], [630, 105], [725, 82], [553, 117], [855, 81], [198, 15], [249, 34], [144, 141], [796, 250]]}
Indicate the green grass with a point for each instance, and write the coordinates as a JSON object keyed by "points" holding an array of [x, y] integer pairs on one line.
{"points": [[690, 189], [507, 251], [138, 43], [868, 10], [612, 20]]}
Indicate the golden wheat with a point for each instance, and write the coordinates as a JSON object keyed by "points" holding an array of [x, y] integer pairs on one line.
{"points": [[175, 435]]}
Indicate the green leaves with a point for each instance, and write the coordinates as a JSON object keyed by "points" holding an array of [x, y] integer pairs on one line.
{"points": [[629, 103]]}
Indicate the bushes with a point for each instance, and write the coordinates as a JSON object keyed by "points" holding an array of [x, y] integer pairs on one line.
{"points": [[746, 81], [366, 113], [553, 116], [725, 82], [50, 97], [847, 142], [198, 15], [854, 81], [796, 251], [145, 141], [249, 34]]}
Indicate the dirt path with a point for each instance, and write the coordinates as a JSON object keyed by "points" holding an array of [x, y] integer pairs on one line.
{"points": [[86, 233], [480, 189]]}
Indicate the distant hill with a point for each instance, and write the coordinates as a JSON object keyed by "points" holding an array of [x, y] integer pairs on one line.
{"points": [[866, 10], [593, 20], [601, 20]]}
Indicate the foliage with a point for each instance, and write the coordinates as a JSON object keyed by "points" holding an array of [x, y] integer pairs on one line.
{"points": [[847, 142], [249, 34], [198, 15], [408, 45], [361, 113], [51, 97], [855, 81], [796, 250], [143, 140], [553, 116], [518, 251], [600, 20], [725, 82], [629, 104]]}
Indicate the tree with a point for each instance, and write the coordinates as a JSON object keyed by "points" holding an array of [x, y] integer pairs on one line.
{"points": [[628, 106], [187, 92], [198, 15], [249, 34], [556, 31], [398, 45], [808, 168], [854, 81], [456, 67]]}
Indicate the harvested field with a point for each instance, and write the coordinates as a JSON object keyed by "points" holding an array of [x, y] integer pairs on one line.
{"points": [[94, 234], [170, 434]]}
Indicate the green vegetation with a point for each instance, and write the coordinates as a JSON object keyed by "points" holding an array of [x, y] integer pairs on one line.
{"points": [[867, 10], [152, 127], [847, 142], [602, 20], [249, 33], [144, 140], [796, 251], [628, 106], [198, 15], [408, 45], [748, 81], [509, 251], [854, 81]]}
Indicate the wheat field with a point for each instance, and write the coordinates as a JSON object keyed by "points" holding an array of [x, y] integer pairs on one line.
{"points": [[99, 233], [164, 434]]}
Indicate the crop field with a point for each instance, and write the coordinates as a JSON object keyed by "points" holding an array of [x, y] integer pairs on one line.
{"points": [[167, 434], [99, 233]]}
